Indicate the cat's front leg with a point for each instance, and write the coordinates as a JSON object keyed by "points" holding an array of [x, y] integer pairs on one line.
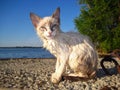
{"points": [[57, 64], [53, 79], [56, 77]]}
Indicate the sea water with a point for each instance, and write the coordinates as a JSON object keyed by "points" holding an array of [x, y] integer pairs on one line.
{"points": [[24, 52]]}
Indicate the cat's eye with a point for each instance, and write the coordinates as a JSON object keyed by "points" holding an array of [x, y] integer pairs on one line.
{"points": [[43, 28], [54, 27]]}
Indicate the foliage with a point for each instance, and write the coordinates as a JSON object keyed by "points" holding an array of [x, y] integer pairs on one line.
{"points": [[100, 20]]}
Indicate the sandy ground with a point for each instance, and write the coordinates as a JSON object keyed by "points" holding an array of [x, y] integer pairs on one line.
{"points": [[34, 74]]}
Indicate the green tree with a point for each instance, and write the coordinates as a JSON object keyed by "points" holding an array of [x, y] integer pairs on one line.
{"points": [[100, 19]]}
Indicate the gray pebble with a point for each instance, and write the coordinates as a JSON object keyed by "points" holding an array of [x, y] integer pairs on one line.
{"points": [[35, 74]]}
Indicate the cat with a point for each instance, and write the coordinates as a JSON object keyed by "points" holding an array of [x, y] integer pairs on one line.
{"points": [[72, 49]]}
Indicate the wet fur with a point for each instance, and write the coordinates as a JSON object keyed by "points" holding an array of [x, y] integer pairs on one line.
{"points": [[72, 50]]}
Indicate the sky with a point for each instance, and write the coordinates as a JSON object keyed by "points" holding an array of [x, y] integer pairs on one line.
{"points": [[16, 28]]}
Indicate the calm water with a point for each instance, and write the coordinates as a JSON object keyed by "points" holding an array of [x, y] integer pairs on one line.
{"points": [[24, 53]]}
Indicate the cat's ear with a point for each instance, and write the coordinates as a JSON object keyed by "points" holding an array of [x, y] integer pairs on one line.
{"points": [[35, 19], [56, 14]]}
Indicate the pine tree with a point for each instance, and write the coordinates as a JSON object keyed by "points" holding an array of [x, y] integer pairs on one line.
{"points": [[100, 19]]}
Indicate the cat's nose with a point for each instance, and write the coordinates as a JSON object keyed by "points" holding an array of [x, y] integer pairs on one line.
{"points": [[49, 33]]}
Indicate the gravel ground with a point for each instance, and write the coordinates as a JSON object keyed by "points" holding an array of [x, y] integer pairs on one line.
{"points": [[34, 74]]}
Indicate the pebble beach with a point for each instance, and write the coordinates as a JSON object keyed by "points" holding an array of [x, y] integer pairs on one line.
{"points": [[35, 74]]}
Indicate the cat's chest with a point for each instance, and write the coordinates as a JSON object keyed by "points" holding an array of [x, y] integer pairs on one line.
{"points": [[52, 46], [56, 47]]}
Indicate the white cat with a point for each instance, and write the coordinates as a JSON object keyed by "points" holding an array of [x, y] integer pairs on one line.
{"points": [[71, 49]]}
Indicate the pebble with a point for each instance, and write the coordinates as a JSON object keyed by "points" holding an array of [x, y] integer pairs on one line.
{"points": [[35, 74]]}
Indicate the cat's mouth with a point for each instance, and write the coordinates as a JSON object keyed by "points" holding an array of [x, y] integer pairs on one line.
{"points": [[49, 37]]}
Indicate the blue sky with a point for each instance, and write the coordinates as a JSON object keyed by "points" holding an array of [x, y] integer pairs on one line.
{"points": [[16, 28]]}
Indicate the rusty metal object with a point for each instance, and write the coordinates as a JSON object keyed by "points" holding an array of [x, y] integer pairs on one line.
{"points": [[118, 69], [116, 53]]}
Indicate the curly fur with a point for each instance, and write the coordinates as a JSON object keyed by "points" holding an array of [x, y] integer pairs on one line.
{"points": [[72, 50]]}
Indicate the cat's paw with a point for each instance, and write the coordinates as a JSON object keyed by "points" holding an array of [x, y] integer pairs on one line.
{"points": [[55, 78]]}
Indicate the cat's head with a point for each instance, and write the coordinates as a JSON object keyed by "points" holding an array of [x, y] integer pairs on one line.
{"points": [[47, 27]]}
